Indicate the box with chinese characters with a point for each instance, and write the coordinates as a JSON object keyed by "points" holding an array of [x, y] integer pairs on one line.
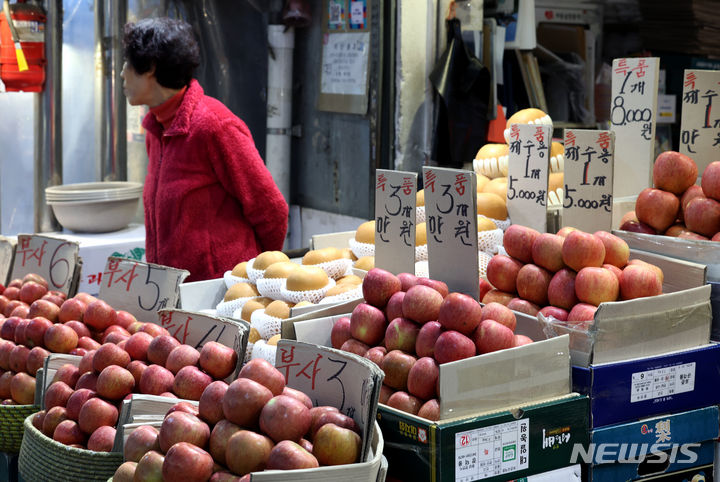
{"points": [[628, 390], [510, 443], [657, 448]]}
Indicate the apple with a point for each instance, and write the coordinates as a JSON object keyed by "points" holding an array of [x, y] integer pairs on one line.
{"points": [[340, 332], [124, 319], [187, 407], [582, 249], [152, 329], [657, 208], [20, 338], [190, 382], [547, 251], [115, 383], [109, 354], [637, 227], [244, 400], [60, 338], [218, 360], [125, 473], [702, 215], [5, 380], [596, 285], [88, 343], [86, 362], [68, 432], [102, 439], [521, 340], [430, 410], [393, 309], [422, 304], [332, 416], [518, 241], [401, 334], [493, 336], [354, 346], [76, 400], [557, 313], [502, 272], [22, 310], [45, 308], [263, 372], [137, 346], [426, 338], [183, 427], [710, 180], [87, 380], [291, 392], [452, 346], [288, 455], [219, 437], [497, 296], [80, 328], [561, 290], [459, 312], [690, 193], [18, 358], [52, 419], [533, 282], [523, 306], [404, 401], [407, 280], [692, 235], [99, 315], [31, 291], [617, 251], [72, 309], [437, 285], [378, 286], [155, 380], [247, 451], [674, 172], [6, 348], [35, 330], [396, 365], [614, 269], [68, 374], [149, 467], [638, 281], [483, 287], [500, 313], [184, 461], [376, 354], [285, 418], [367, 324], [22, 388], [333, 445], [317, 412], [57, 395], [423, 377], [582, 312], [160, 347], [56, 300], [95, 413], [210, 406]]}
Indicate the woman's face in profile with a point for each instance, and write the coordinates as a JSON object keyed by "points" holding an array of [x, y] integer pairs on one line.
{"points": [[137, 87]]}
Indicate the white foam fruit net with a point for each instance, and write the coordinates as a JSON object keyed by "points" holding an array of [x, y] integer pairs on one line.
{"points": [[271, 287], [262, 350], [313, 296], [336, 268], [265, 324], [231, 279], [419, 214], [422, 269], [228, 308], [253, 274], [421, 253], [488, 240], [248, 352], [501, 223], [483, 260], [361, 249], [346, 296]]}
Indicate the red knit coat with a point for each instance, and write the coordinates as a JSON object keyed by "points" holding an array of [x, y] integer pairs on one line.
{"points": [[209, 200]]}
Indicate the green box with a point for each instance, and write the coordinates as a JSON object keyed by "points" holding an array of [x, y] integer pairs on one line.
{"points": [[498, 446]]}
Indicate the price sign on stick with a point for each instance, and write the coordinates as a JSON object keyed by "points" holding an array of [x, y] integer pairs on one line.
{"points": [[528, 168], [633, 110], [54, 259], [395, 220], [700, 125], [451, 227], [7, 252], [333, 377], [140, 288], [588, 177]]}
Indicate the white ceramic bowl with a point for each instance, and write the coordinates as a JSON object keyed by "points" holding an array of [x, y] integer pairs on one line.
{"points": [[99, 216], [88, 191]]}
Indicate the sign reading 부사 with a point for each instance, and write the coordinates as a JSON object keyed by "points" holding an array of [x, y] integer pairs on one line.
{"points": [[140, 288], [700, 126], [528, 169], [633, 112], [451, 227], [588, 178], [395, 220], [54, 259]]}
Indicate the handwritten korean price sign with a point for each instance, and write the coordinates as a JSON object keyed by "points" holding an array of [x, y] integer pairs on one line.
{"points": [[7, 252], [395, 220], [588, 179], [451, 226], [700, 125], [196, 329], [140, 288], [528, 168], [332, 377], [54, 259], [632, 118]]}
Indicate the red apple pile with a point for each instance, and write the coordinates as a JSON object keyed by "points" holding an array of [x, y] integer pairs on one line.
{"points": [[253, 424], [568, 274], [410, 325], [675, 206]]}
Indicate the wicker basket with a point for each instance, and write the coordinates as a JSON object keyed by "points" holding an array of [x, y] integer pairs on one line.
{"points": [[11, 425], [42, 458]]}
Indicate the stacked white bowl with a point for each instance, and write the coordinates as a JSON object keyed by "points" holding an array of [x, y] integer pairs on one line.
{"points": [[94, 207]]}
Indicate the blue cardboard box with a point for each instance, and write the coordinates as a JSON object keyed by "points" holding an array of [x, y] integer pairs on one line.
{"points": [[632, 389], [652, 447]]}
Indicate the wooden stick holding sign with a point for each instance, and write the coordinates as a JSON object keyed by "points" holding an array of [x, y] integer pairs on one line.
{"points": [[395, 220], [140, 288], [700, 126], [589, 161], [54, 259], [7, 255], [528, 168], [333, 377], [451, 226]]}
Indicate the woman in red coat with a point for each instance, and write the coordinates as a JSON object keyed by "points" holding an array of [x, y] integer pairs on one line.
{"points": [[209, 200]]}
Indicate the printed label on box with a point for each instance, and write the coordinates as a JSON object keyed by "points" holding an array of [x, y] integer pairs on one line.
{"points": [[491, 451], [662, 382]]}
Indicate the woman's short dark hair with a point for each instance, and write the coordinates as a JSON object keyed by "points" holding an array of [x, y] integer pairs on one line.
{"points": [[167, 44]]}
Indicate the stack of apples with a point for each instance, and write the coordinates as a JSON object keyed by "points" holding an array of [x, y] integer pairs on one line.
{"points": [[82, 402], [676, 206], [409, 325], [256, 423], [568, 274]]}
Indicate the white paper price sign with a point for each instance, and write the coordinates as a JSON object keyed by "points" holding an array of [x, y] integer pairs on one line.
{"points": [[451, 226], [7, 251], [332, 377], [140, 288], [528, 168], [395, 220], [588, 177], [54, 259], [700, 125], [633, 111]]}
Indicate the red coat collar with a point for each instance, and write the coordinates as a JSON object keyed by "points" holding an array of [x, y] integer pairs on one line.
{"points": [[181, 123]]}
